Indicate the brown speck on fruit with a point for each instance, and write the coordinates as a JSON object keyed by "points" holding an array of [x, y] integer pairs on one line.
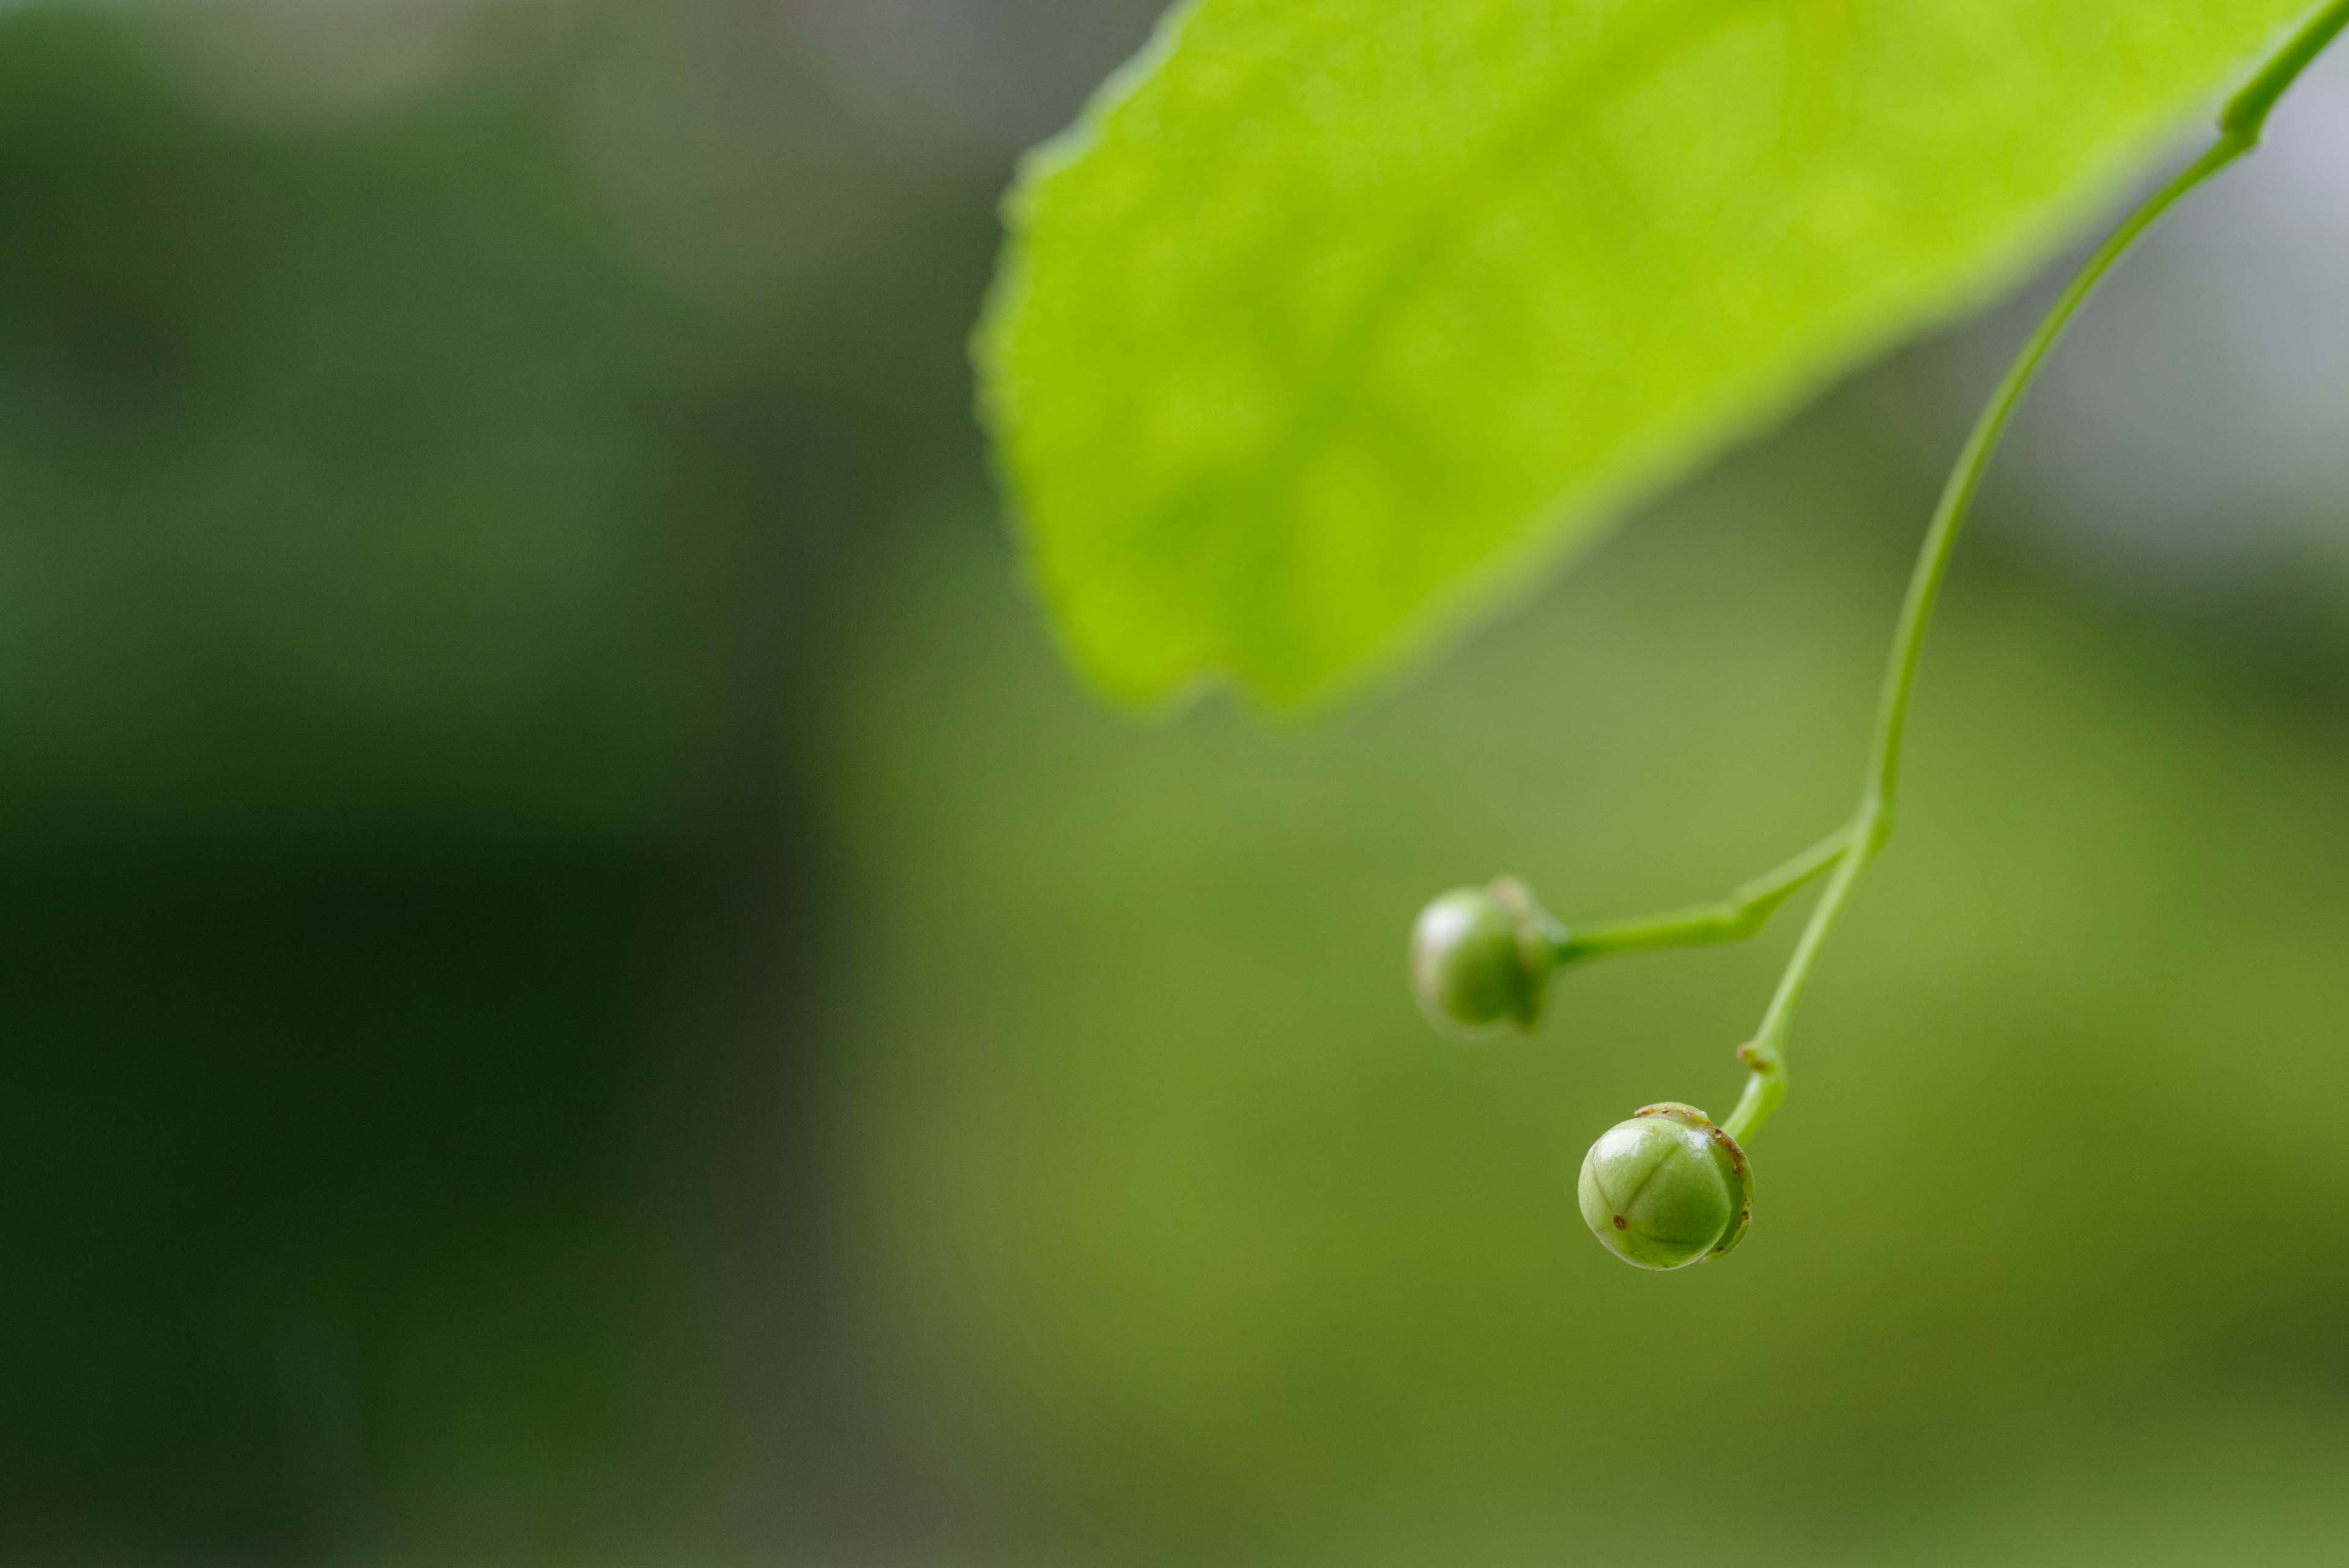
{"points": [[1618, 1223]]}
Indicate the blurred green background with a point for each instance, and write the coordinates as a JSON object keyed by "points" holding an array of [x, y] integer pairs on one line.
{"points": [[580, 988]]}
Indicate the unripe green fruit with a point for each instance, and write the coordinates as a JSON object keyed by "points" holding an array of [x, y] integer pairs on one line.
{"points": [[1481, 959], [1667, 1189]]}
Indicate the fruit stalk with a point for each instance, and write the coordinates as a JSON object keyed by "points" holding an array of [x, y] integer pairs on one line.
{"points": [[1870, 828]]}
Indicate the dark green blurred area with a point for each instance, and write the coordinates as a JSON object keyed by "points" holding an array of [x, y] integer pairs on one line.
{"points": [[580, 987]]}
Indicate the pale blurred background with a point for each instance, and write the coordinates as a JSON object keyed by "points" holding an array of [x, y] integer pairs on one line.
{"points": [[579, 987]]}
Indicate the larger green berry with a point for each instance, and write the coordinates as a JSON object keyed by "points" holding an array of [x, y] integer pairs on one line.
{"points": [[1481, 959], [1667, 1189]]}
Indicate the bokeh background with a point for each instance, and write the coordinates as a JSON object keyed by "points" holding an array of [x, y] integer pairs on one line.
{"points": [[579, 988]]}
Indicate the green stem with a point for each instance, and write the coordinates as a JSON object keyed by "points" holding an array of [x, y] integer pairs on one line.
{"points": [[1871, 826], [2246, 113], [1733, 918]]}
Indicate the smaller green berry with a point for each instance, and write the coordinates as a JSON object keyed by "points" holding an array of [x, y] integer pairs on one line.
{"points": [[1481, 959], [1667, 1189]]}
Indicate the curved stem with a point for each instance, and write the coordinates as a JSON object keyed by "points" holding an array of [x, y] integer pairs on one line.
{"points": [[2239, 126], [1733, 918]]}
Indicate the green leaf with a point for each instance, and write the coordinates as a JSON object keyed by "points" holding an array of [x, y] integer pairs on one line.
{"points": [[1333, 318]]}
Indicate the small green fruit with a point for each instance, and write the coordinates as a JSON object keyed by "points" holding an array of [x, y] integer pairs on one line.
{"points": [[1667, 1189], [1481, 959]]}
